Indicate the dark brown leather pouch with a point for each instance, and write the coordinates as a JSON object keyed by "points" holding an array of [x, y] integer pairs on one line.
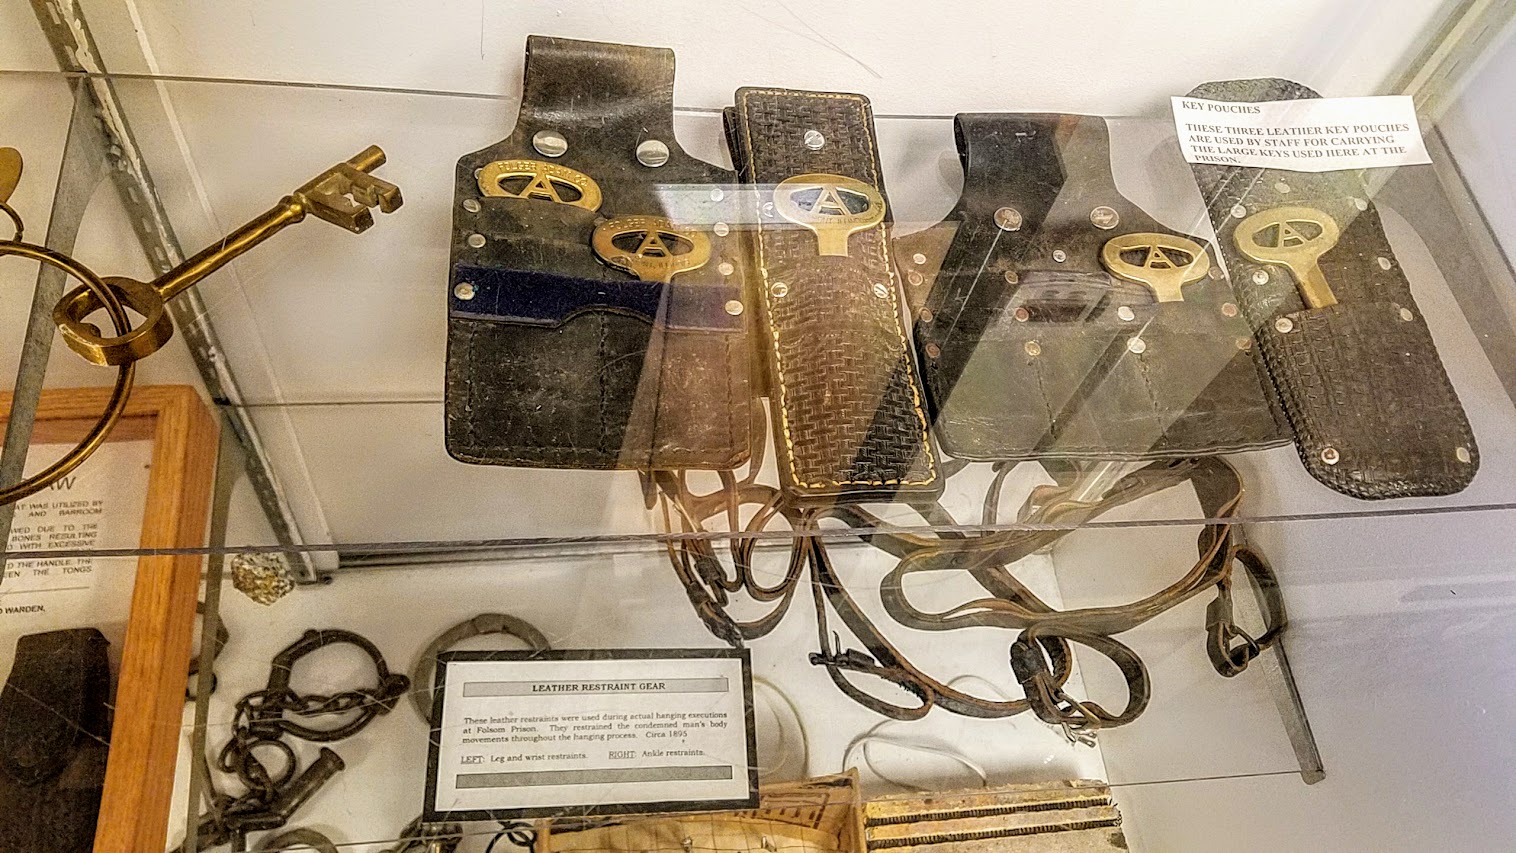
{"points": [[54, 730], [1373, 412], [849, 414], [1054, 318], [596, 310]]}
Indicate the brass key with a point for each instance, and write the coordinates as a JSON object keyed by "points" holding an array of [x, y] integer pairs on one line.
{"points": [[1295, 237], [342, 195]]}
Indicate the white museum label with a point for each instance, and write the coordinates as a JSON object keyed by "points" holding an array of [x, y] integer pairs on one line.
{"points": [[527, 734], [1311, 135]]}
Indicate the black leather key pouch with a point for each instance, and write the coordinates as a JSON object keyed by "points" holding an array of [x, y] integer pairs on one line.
{"points": [[54, 729], [596, 315], [1054, 318], [1373, 412], [849, 414]]}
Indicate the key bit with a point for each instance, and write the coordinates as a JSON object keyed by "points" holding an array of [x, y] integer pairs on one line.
{"points": [[343, 195], [1294, 237]]}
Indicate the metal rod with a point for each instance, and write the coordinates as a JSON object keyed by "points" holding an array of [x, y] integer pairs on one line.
{"points": [[83, 169], [74, 47]]}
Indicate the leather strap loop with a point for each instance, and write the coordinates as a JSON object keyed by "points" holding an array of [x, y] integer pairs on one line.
{"points": [[484, 624]]}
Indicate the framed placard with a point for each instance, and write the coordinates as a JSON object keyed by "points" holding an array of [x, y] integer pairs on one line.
{"points": [[555, 733], [150, 486]]}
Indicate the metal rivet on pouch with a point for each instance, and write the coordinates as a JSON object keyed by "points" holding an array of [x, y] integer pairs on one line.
{"points": [[1384, 263], [1137, 345], [926, 315], [477, 173], [717, 194], [1463, 455], [1282, 187], [550, 143], [1284, 325], [779, 289], [918, 258], [1361, 204], [652, 153], [1126, 313], [1330, 456], [1060, 255], [932, 350], [471, 205], [1008, 219], [814, 140], [1105, 218], [464, 291], [768, 209], [1261, 277], [733, 307], [1228, 309], [722, 229], [1406, 315], [880, 290], [725, 268], [1033, 349], [915, 278], [1011, 277], [1244, 343], [476, 240], [1216, 274], [1022, 315], [1238, 211]]}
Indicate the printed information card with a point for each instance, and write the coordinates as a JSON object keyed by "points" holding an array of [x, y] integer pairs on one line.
{"points": [[1311, 135], [531, 734]]}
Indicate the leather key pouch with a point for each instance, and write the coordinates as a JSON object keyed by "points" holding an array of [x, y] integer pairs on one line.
{"points": [[54, 727], [849, 413], [596, 310], [1056, 318], [1346, 346]]}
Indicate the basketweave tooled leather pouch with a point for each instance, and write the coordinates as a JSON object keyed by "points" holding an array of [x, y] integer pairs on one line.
{"points": [[1056, 318], [596, 313], [849, 414], [1344, 341], [54, 729]]}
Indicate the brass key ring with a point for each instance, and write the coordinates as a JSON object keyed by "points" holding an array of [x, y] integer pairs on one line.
{"points": [[114, 407]]}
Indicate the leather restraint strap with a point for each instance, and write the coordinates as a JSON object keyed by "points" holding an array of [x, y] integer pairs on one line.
{"points": [[54, 730], [597, 308], [1346, 345], [849, 411], [1054, 317], [479, 626], [1040, 655]]}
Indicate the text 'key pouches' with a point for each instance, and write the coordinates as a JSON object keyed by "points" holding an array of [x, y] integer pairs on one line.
{"points": [[848, 409], [597, 316], [1053, 317], [1345, 344]]}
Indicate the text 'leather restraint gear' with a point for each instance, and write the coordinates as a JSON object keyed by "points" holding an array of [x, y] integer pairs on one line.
{"points": [[596, 311], [55, 725], [848, 410], [1346, 346], [1054, 318]]}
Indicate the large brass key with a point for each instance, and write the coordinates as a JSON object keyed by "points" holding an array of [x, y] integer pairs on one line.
{"points": [[342, 195], [1294, 237]]}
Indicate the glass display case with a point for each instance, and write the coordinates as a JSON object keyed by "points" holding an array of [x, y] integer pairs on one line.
{"points": [[893, 428]]}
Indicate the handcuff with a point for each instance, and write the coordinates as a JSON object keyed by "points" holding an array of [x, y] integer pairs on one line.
{"points": [[342, 195], [481, 625]]}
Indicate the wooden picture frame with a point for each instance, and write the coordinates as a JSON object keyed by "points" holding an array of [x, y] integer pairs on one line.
{"points": [[149, 703]]}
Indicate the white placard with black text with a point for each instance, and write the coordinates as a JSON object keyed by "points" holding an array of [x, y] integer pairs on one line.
{"points": [[523, 734]]}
